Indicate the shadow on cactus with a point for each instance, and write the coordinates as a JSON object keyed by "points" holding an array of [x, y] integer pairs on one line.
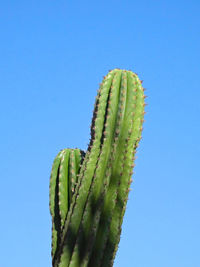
{"points": [[89, 191]]}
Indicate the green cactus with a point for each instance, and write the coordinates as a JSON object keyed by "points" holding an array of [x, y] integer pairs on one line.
{"points": [[62, 186], [89, 192]]}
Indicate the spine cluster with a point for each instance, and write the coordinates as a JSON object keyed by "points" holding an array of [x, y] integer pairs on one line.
{"points": [[89, 192]]}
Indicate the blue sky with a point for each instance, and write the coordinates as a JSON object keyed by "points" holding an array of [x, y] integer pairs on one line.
{"points": [[53, 56]]}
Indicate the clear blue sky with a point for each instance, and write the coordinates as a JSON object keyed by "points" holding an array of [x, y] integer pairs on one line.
{"points": [[53, 55]]}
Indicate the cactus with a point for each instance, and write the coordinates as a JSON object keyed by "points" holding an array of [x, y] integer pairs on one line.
{"points": [[89, 192]]}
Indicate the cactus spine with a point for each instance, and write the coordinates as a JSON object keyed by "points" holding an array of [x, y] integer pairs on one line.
{"points": [[87, 217]]}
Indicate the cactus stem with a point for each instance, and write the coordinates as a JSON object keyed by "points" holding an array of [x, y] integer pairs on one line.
{"points": [[88, 197]]}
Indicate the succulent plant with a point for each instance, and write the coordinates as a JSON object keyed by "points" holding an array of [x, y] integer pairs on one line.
{"points": [[89, 191]]}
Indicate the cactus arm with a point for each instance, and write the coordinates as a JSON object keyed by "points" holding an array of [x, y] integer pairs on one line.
{"points": [[118, 169], [100, 183], [123, 189], [60, 186]]}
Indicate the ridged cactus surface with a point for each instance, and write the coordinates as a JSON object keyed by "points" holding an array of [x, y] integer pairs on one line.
{"points": [[62, 186], [89, 192]]}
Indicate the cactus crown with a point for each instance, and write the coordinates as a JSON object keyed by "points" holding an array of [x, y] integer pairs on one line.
{"points": [[89, 191]]}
